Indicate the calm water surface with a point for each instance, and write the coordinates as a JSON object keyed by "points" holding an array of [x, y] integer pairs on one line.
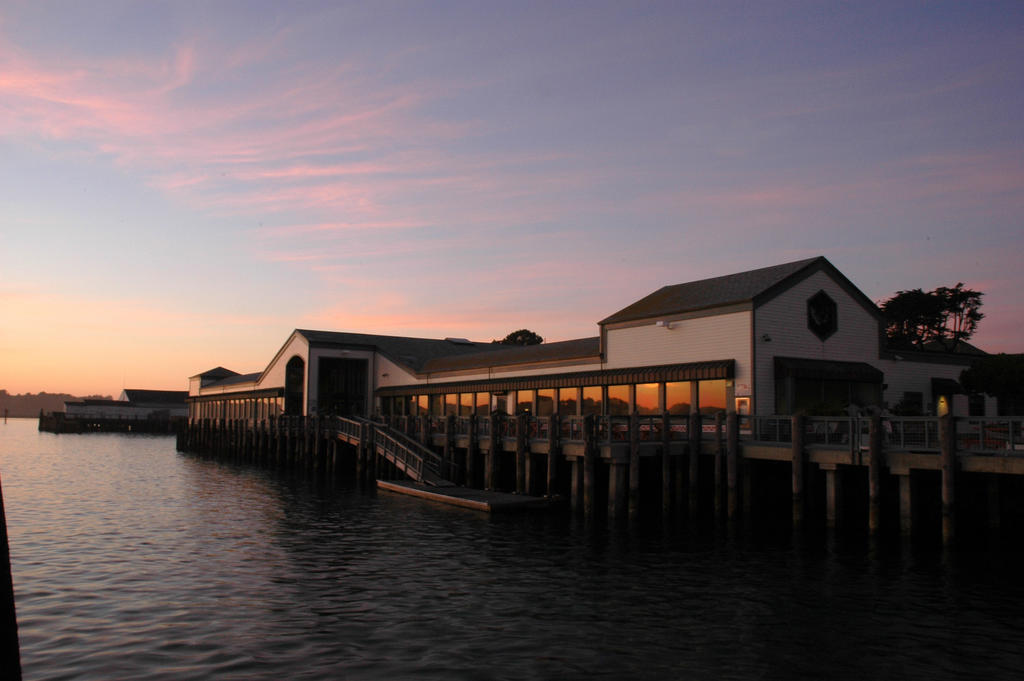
{"points": [[131, 561]]}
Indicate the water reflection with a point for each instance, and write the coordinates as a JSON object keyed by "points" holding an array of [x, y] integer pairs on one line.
{"points": [[131, 561]]}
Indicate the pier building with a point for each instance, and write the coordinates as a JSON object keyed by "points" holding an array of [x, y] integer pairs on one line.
{"points": [[798, 336], [773, 384]]}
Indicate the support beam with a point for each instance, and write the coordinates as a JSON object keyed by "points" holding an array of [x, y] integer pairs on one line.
{"points": [[617, 491], [634, 467], [732, 463], [906, 502], [719, 467], [833, 495], [693, 456], [589, 466], [798, 455], [875, 475], [666, 465], [947, 437]]}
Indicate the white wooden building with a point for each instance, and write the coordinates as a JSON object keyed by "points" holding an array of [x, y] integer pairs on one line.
{"points": [[795, 336]]}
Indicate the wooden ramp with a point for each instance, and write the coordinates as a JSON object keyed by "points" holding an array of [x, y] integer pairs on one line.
{"points": [[466, 497]]}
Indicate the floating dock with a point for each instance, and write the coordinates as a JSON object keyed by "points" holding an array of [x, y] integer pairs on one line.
{"points": [[465, 497]]}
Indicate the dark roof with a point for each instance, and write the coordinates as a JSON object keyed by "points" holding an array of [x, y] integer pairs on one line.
{"points": [[216, 373], [715, 292], [237, 378], [502, 355], [156, 396], [413, 353], [97, 403]]}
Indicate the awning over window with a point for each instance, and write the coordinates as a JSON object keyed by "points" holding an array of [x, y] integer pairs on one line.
{"points": [[946, 386], [826, 370]]}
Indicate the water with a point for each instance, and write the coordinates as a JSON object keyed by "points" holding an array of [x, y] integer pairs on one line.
{"points": [[131, 561]]}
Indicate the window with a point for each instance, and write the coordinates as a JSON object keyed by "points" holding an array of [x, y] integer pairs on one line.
{"points": [[483, 404], [593, 402], [567, 399], [546, 402], [524, 401], [618, 400], [465, 404], [711, 397], [677, 397], [647, 398], [451, 404]]}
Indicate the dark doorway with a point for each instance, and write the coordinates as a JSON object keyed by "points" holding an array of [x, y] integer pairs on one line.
{"points": [[294, 386], [342, 386]]}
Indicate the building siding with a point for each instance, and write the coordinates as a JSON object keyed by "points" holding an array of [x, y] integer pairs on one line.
{"points": [[783, 319], [700, 339]]}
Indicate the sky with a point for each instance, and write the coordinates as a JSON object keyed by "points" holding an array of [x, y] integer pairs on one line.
{"points": [[184, 183]]}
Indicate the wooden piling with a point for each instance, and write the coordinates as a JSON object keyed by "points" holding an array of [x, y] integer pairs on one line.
{"points": [[589, 465], [472, 447], [906, 502], [617, 490], [634, 466], [947, 439], [875, 475], [732, 463], [554, 454], [521, 454], [666, 465], [693, 456], [492, 462], [833, 494], [798, 454], [719, 467], [576, 486]]}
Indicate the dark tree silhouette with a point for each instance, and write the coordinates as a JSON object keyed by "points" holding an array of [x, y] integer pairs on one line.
{"points": [[521, 337], [946, 316], [1001, 376]]}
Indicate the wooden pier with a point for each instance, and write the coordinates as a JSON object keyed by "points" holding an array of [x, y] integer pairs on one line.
{"points": [[869, 472]]}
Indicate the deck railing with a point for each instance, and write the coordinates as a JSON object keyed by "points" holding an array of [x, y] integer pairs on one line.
{"points": [[974, 435]]}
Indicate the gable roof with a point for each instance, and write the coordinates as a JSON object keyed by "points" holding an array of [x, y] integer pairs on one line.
{"points": [[714, 292], [413, 353], [753, 286], [216, 373]]}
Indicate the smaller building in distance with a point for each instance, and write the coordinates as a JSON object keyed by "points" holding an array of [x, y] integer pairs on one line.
{"points": [[151, 411]]}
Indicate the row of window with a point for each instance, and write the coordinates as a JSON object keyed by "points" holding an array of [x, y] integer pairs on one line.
{"points": [[675, 397], [234, 409]]}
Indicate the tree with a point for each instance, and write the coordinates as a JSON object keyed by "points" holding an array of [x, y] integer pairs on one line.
{"points": [[521, 337], [945, 316], [1001, 376]]}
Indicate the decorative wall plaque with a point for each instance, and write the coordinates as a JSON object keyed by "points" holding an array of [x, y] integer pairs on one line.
{"points": [[821, 315]]}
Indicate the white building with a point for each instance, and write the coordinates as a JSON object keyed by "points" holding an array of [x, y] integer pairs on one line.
{"points": [[796, 336]]}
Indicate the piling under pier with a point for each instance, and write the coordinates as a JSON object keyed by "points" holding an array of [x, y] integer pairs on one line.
{"points": [[895, 475]]}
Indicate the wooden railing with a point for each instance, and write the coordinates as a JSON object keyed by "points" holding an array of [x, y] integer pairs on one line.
{"points": [[988, 435]]}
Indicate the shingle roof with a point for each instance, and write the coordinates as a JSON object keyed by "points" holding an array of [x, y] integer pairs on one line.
{"points": [[156, 396], [503, 355], [714, 292], [216, 373], [413, 353], [237, 378]]}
